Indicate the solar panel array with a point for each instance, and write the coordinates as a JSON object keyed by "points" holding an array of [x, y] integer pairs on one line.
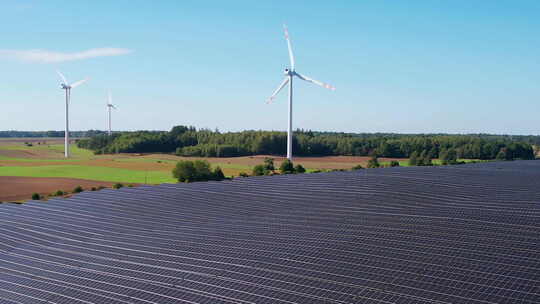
{"points": [[453, 234]]}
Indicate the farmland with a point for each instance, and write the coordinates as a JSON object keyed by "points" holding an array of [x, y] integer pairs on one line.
{"points": [[42, 159]]}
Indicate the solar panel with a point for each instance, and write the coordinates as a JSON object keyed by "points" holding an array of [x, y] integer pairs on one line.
{"points": [[452, 234]]}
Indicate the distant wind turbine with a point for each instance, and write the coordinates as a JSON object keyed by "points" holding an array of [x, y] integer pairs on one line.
{"points": [[66, 86], [109, 106], [290, 73]]}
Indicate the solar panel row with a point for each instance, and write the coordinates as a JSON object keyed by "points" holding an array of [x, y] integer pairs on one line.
{"points": [[455, 234]]}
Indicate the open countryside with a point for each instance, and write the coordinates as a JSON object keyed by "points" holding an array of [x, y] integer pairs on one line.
{"points": [[40, 160], [269, 152], [44, 159]]}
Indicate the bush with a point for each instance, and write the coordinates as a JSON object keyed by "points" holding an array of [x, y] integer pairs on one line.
{"points": [[394, 163], [259, 170], [286, 167], [93, 189], [501, 155], [130, 185], [373, 162], [58, 193], [357, 167], [243, 174], [36, 196], [269, 164], [118, 186], [299, 169], [78, 189], [218, 174], [187, 171]]}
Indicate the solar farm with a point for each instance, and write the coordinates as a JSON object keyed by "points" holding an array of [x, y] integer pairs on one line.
{"points": [[452, 234]]}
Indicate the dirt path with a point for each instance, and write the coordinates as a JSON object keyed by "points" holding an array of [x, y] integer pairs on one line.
{"points": [[21, 188]]}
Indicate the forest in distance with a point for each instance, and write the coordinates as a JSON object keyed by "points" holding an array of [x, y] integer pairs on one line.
{"points": [[188, 141]]}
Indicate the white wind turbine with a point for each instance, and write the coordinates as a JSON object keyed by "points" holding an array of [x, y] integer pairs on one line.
{"points": [[66, 86], [289, 74], [109, 106]]}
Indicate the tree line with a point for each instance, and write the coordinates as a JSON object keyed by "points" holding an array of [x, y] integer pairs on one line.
{"points": [[188, 141], [39, 134]]}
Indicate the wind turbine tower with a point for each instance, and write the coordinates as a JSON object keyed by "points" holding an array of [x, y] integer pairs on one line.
{"points": [[67, 87], [290, 73], [109, 106]]}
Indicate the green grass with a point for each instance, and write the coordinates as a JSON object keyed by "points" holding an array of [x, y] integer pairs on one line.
{"points": [[75, 151], [90, 172]]}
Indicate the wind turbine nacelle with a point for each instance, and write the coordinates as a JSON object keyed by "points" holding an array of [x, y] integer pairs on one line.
{"points": [[63, 86], [288, 72]]}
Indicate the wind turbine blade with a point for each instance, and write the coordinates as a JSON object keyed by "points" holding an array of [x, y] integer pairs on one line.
{"points": [[291, 56], [277, 90], [78, 83], [322, 84], [62, 76]]}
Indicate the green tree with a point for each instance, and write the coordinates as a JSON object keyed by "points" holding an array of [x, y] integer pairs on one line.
{"points": [[413, 159], [373, 162], [218, 174], [448, 157], [259, 170], [78, 189], [427, 159], [203, 171], [286, 167], [501, 155], [269, 164], [185, 171], [299, 169], [394, 163], [443, 157], [36, 196], [422, 158]]}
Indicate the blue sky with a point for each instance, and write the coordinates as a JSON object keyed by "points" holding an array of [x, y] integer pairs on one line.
{"points": [[398, 66]]}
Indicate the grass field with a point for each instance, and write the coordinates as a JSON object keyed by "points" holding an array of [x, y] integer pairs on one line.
{"points": [[90, 173]]}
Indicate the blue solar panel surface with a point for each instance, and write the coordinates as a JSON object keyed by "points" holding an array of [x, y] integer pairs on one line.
{"points": [[452, 234]]}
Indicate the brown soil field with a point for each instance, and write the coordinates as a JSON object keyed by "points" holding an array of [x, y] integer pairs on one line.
{"points": [[22, 188], [323, 162], [47, 140], [30, 154], [150, 161]]}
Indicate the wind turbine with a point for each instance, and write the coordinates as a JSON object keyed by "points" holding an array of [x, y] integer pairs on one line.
{"points": [[109, 106], [66, 86], [289, 74]]}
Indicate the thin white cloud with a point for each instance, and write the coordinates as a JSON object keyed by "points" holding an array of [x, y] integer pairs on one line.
{"points": [[44, 56]]}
